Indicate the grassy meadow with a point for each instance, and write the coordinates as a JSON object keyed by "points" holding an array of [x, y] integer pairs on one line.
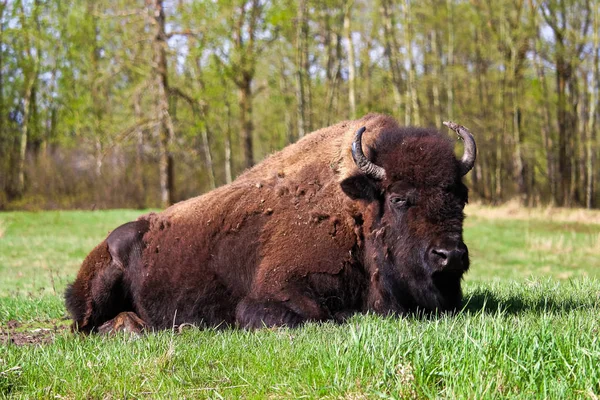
{"points": [[530, 327]]}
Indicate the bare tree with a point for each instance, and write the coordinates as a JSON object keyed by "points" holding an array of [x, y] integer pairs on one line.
{"points": [[412, 113], [165, 130], [331, 20], [351, 59], [139, 149], [302, 65], [30, 72], [436, 78], [247, 22], [593, 88], [98, 99], [391, 50], [513, 29], [568, 22], [450, 62]]}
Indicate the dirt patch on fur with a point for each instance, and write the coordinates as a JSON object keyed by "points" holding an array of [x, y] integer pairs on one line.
{"points": [[20, 334]]}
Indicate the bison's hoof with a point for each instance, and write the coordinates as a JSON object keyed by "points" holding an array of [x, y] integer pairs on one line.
{"points": [[124, 322], [342, 316]]}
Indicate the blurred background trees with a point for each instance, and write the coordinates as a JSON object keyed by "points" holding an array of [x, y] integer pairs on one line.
{"points": [[122, 103]]}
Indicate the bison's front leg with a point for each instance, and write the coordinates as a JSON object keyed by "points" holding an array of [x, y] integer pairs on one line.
{"points": [[255, 313], [124, 322]]}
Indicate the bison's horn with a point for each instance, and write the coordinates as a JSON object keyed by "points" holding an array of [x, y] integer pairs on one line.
{"points": [[468, 159], [364, 164]]}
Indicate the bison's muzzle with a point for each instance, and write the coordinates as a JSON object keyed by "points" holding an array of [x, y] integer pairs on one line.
{"points": [[449, 254]]}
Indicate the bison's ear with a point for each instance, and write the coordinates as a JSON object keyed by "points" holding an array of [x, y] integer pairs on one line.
{"points": [[359, 187]]}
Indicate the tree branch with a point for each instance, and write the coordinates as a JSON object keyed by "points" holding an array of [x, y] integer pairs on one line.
{"points": [[186, 32]]}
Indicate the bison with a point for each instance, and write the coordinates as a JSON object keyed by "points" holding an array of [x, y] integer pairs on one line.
{"points": [[361, 216]]}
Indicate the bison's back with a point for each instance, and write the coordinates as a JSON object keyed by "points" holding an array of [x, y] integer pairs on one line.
{"points": [[281, 221], [282, 229]]}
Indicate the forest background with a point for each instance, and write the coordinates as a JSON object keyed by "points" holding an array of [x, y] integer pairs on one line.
{"points": [[121, 103]]}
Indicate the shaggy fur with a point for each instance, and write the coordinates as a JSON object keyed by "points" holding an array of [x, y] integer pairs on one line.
{"points": [[301, 236]]}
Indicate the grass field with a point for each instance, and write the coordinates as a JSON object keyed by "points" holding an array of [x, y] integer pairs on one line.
{"points": [[530, 327]]}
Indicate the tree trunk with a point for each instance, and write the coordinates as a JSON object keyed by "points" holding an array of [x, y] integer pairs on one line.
{"points": [[518, 161], [480, 184], [51, 114], [498, 189], [594, 88], [246, 121], [563, 72], [20, 187], [579, 172], [200, 111], [546, 129], [333, 83], [351, 60], [413, 116], [328, 36], [302, 66], [568, 30], [28, 91], [365, 70], [140, 183], [206, 150], [2, 114], [97, 99], [4, 153], [98, 157], [166, 133], [244, 33], [436, 79], [450, 64], [227, 150], [391, 47], [228, 174]]}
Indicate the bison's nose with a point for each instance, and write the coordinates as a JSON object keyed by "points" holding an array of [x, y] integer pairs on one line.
{"points": [[450, 257]]}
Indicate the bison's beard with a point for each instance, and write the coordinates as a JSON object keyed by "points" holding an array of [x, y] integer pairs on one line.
{"points": [[407, 287]]}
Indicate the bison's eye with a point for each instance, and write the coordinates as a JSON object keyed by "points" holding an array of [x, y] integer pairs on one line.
{"points": [[398, 201]]}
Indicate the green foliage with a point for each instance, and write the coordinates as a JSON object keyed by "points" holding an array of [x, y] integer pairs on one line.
{"points": [[94, 97]]}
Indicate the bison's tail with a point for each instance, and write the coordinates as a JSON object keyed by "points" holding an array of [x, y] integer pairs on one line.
{"points": [[96, 295], [75, 301]]}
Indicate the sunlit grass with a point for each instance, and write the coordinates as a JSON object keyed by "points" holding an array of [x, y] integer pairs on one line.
{"points": [[512, 210], [515, 248], [529, 328], [41, 251]]}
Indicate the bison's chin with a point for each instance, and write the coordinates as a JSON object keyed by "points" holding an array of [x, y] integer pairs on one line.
{"points": [[436, 293], [448, 284]]}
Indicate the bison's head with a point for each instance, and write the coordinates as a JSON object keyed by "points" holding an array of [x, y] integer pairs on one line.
{"points": [[413, 217]]}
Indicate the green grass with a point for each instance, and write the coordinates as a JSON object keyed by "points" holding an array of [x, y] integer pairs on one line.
{"points": [[41, 251], [529, 329], [503, 250]]}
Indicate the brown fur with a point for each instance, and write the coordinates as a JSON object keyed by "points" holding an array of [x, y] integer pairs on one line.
{"points": [[283, 243]]}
